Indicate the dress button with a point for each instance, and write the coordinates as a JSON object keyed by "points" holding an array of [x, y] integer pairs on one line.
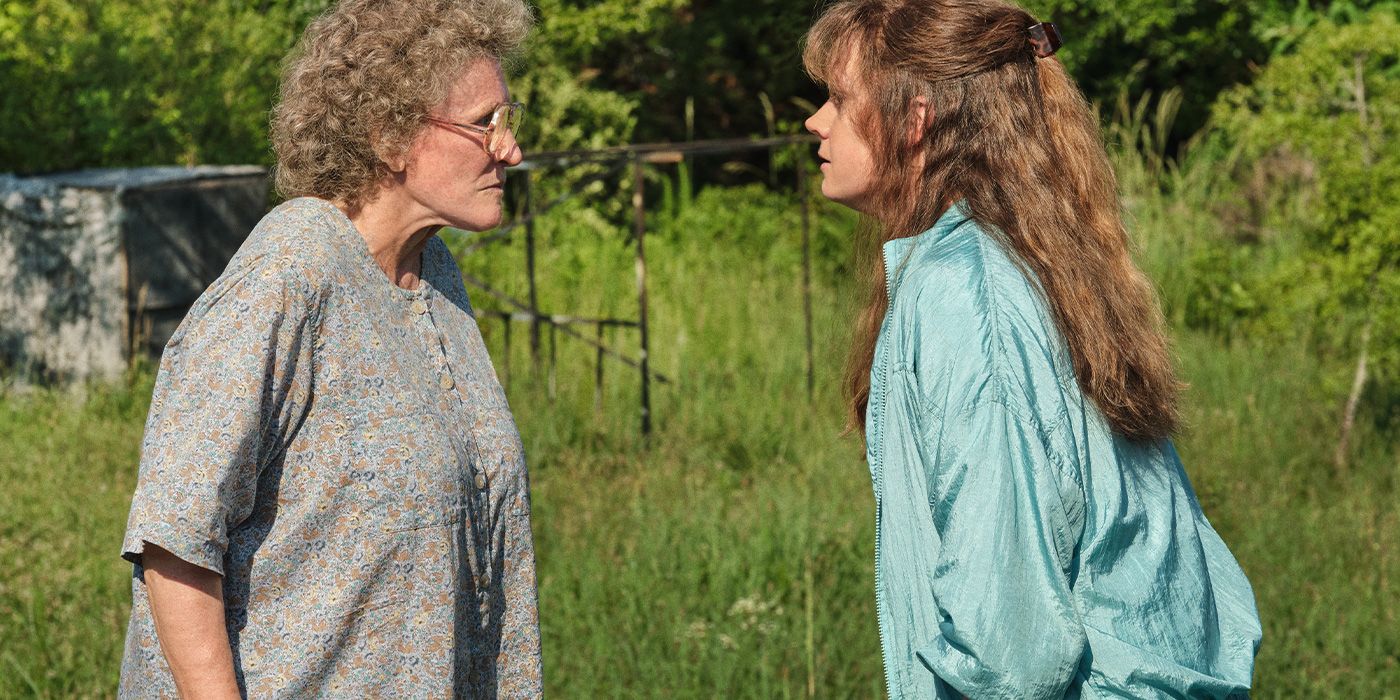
{"points": [[481, 481], [446, 381], [419, 307]]}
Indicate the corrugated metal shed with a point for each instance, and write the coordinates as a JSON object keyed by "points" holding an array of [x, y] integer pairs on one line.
{"points": [[97, 266]]}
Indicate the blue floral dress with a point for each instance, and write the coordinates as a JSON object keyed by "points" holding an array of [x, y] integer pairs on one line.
{"points": [[340, 450]]}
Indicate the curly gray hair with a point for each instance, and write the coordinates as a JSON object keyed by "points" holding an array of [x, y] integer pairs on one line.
{"points": [[356, 89]]}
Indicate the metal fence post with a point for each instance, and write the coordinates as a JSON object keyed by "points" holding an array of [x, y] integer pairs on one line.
{"points": [[616, 159], [639, 230], [553, 360], [598, 374]]}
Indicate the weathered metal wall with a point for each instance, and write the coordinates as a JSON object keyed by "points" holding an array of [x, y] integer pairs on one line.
{"points": [[97, 264]]}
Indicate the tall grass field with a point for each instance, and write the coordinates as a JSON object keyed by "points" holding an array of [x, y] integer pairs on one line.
{"points": [[730, 555]]}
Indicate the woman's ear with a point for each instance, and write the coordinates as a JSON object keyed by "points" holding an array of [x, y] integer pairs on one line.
{"points": [[920, 117], [395, 160]]}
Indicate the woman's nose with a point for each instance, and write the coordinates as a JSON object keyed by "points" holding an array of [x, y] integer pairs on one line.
{"points": [[817, 123], [514, 156]]}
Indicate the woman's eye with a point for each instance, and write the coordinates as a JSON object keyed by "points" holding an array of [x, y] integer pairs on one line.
{"points": [[483, 122]]}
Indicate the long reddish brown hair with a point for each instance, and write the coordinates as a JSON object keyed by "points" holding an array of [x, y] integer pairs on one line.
{"points": [[1013, 136]]}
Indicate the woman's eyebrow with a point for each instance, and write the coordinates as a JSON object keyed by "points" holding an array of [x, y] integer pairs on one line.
{"points": [[479, 111], [486, 108]]}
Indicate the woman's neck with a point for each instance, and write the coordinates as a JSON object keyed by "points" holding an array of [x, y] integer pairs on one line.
{"points": [[395, 235]]}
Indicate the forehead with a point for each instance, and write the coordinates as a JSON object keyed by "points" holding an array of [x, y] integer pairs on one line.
{"points": [[842, 70], [481, 84]]}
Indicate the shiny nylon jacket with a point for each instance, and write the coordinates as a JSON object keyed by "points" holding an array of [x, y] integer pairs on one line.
{"points": [[1023, 549]]}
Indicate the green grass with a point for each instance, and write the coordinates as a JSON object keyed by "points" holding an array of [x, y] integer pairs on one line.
{"points": [[66, 479], [731, 556]]}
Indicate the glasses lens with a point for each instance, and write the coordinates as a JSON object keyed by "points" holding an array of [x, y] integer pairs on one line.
{"points": [[504, 124], [515, 115]]}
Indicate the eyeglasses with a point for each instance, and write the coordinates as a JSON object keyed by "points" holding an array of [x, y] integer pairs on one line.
{"points": [[497, 130]]}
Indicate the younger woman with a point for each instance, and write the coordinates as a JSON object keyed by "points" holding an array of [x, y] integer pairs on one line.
{"points": [[1036, 536]]}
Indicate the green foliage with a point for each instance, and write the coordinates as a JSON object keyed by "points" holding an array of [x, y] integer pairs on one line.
{"points": [[1197, 46], [66, 465], [1282, 25], [740, 61], [138, 82], [720, 54], [1333, 106], [563, 112]]}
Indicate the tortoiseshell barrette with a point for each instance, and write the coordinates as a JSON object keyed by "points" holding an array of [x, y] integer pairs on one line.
{"points": [[1046, 39]]}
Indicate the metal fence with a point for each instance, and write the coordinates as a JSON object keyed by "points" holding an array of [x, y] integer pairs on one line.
{"points": [[616, 162]]}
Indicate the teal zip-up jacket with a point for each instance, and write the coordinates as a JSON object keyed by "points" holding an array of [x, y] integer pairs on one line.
{"points": [[1023, 549]]}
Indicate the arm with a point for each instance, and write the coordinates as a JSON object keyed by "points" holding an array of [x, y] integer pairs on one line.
{"points": [[232, 378], [1010, 627], [518, 662], [187, 603]]}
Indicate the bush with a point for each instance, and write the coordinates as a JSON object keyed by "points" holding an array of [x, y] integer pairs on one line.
{"points": [[139, 82], [1333, 104]]}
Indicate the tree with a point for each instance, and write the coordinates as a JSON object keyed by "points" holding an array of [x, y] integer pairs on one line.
{"points": [[1334, 102]]}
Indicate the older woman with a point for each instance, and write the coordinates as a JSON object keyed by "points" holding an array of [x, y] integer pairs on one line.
{"points": [[332, 497]]}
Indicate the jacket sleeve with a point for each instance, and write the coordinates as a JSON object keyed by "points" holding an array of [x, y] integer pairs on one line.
{"points": [[1008, 625]]}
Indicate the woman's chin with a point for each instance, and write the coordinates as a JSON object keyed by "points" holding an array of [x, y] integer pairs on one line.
{"points": [[846, 199], [481, 220]]}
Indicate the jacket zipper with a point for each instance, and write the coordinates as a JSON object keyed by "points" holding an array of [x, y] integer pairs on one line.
{"points": [[880, 482]]}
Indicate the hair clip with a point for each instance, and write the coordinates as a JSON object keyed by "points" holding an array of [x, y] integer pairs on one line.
{"points": [[1045, 38]]}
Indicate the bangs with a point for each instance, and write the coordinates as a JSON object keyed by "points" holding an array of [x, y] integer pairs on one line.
{"points": [[829, 44]]}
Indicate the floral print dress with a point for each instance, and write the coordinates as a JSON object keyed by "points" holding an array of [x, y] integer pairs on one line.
{"points": [[340, 450]]}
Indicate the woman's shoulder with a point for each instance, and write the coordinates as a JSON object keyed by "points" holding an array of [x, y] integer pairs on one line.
{"points": [[301, 228], [969, 303], [299, 241], [969, 276], [287, 255]]}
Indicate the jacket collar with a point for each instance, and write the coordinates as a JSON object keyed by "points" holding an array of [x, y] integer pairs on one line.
{"points": [[898, 251]]}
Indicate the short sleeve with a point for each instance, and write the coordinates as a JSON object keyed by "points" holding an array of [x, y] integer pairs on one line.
{"points": [[234, 377], [518, 658], [1008, 624]]}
